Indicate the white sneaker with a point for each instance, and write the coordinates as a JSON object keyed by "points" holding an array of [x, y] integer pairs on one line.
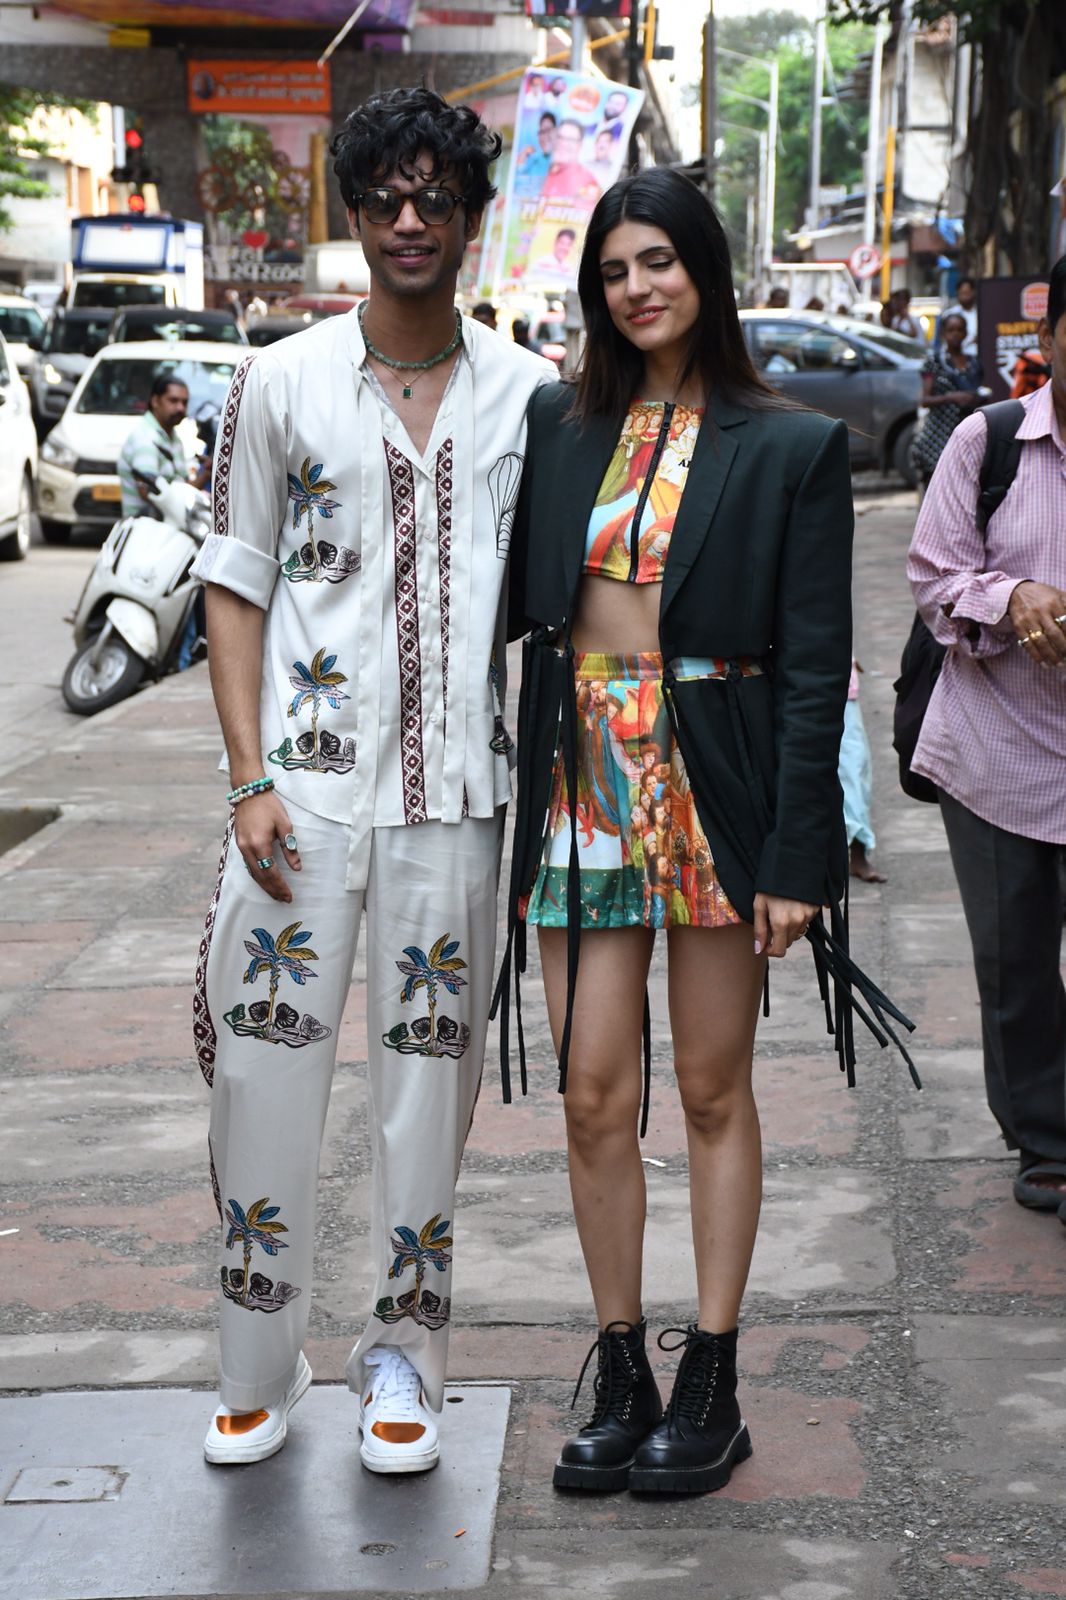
{"points": [[237, 1437], [399, 1430]]}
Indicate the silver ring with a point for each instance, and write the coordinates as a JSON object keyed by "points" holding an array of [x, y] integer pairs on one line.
{"points": [[1060, 620], [264, 863], [289, 841]]}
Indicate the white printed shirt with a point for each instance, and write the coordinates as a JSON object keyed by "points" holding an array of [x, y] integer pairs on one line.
{"points": [[380, 571]]}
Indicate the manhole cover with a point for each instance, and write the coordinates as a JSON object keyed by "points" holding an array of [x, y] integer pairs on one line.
{"points": [[64, 1485]]}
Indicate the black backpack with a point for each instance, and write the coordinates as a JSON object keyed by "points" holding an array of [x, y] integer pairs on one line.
{"points": [[923, 657]]}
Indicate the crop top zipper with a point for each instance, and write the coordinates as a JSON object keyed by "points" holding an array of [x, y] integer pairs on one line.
{"points": [[645, 491]]}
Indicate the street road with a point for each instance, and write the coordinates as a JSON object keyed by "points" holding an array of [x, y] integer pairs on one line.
{"points": [[36, 644]]}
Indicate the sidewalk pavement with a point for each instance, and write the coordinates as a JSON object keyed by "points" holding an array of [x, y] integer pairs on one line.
{"points": [[902, 1348]]}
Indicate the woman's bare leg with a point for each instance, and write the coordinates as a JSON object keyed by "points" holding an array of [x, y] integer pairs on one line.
{"points": [[715, 983], [602, 1104]]}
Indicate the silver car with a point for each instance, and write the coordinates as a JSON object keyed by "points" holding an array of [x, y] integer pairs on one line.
{"points": [[64, 352], [864, 374]]}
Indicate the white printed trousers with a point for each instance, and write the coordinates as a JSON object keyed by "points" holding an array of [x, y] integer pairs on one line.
{"points": [[271, 986]]}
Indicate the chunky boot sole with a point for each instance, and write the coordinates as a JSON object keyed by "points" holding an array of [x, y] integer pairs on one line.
{"points": [[693, 1480], [600, 1480]]}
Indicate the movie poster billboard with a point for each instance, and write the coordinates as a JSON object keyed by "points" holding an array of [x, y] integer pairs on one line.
{"points": [[1008, 311], [571, 142], [481, 264]]}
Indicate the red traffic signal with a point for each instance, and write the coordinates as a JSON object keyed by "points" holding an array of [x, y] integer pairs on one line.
{"points": [[136, 202], [134, 140]]}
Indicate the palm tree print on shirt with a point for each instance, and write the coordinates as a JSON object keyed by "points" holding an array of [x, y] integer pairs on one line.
{"points": [[429, 1248], [310, 493], [316, 752], [288, 954], [256, 1226], [432, 1035]]}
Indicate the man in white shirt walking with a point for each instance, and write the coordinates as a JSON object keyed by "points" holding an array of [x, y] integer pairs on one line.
{"points": [[365, 482]]}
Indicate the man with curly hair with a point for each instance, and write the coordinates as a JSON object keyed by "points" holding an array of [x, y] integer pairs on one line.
{"points": [[365, 482]]}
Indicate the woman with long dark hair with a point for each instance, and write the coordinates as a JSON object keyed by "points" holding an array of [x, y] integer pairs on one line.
{"points": [[681, 552]]}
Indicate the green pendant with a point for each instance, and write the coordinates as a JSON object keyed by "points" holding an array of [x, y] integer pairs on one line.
{"points": [[407, 391]]}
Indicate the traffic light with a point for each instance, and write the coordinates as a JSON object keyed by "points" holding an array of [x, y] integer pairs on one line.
{"points": [[653, 51], [134, 167]]}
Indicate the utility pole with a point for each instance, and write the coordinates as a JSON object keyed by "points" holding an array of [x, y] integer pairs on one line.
{"points": [[710, 102], [814, 208], [771, 167], [578, 36], [873, 150], [633, 58], [769, 63]]}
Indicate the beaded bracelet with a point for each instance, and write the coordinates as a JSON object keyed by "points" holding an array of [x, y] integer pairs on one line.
{"points": [[246, 790]]}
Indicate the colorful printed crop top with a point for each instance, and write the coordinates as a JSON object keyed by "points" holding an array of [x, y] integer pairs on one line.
{"points": [[642, 490]]}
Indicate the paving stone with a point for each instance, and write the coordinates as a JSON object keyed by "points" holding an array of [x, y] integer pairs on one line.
{"points": [[950, 1119], [1004, 1386], [92, 1124], [137, 952], [930, 936], [1009, 1250], [176, 1526], [713, 1563], [90, 1029], [111, 1360]]}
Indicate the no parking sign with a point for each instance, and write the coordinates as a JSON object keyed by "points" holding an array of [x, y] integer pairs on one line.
{"points": [[864, 261]]}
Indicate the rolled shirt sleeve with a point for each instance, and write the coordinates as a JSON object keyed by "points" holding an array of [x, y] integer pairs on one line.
{"points": [[250, 493], [961, 603]]}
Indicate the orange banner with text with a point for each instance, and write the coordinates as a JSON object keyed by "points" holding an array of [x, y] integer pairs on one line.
{"points": [[259, 86]]}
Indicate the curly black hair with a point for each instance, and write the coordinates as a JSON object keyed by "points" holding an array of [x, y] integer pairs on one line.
{"points": [[390, 131]]}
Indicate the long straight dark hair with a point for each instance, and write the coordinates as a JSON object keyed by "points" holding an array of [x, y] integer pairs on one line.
{"points": [[611, 367]]}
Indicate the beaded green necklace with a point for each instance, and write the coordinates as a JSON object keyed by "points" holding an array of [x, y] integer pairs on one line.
{"points": [[412, 366]]}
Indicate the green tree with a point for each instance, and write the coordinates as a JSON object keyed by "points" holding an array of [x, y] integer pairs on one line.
{"points": [[1020, 46], [18, 149], [790, 40]]}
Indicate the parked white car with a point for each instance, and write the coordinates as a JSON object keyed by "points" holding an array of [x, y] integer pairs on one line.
{"points": [[18, 460], [22, 325], [78, 474]]}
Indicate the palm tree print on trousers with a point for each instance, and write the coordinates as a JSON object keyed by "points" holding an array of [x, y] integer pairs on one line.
{"points": [[256, 1226], [288, 953], [432, 1035], [309, 493], [317, 752], [429, 1248]]}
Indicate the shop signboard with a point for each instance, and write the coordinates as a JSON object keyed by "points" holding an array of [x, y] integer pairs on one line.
{"points": [[1008, 311], [271, 87]]}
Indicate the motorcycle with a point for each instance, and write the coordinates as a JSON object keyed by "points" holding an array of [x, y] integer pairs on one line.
{"points": [[134, 610]]}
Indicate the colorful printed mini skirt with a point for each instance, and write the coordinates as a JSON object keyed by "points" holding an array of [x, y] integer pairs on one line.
{"points": [[645, 862]]}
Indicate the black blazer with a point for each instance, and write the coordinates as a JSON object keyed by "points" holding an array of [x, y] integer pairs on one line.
{"points": [[759, 565]]}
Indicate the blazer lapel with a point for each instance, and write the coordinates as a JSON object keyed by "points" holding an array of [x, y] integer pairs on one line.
{"points": [[707, 474], [581, 465]]}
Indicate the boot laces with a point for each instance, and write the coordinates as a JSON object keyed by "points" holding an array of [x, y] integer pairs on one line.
{"points": [[616, 1375], [696, 1380], [396, 1381]]}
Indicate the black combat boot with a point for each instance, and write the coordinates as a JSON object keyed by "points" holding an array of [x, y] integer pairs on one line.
{"points": [[702, 1432], [627, 1407]]}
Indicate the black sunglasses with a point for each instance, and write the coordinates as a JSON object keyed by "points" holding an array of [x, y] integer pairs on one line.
{"points": [[433, 206]]}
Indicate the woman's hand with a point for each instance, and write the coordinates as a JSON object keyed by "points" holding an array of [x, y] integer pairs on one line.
{"points": [[262, 826], [1033, 609], [780, 922]]}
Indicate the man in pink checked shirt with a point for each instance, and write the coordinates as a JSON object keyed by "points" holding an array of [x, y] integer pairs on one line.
{"points": [[994, 743]]}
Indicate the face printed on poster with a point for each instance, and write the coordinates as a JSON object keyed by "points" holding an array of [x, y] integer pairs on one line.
{"points": [[571, 143]]}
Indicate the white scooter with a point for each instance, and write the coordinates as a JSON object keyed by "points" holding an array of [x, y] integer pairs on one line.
{"points": [[130, 620]]}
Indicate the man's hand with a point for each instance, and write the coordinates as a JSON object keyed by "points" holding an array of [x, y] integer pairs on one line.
{"points": [[261, 828], [1033, 608], [780, 922]]}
